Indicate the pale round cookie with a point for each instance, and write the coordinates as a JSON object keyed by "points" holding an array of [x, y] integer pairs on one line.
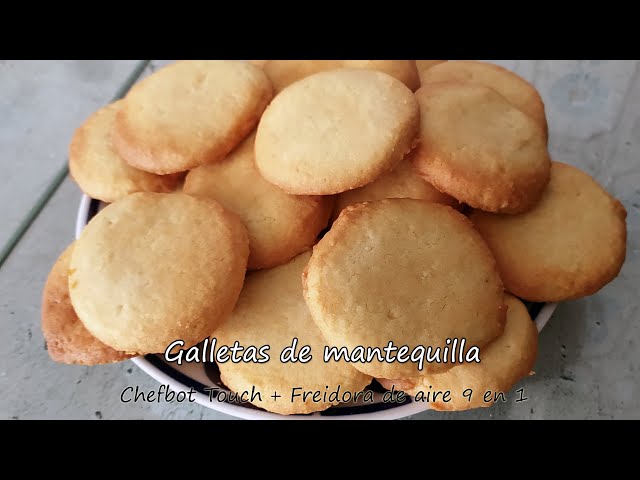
{"points": [[153, 268], [190, 113], [407, 271], [402, 182], [271, 311], [480, 149], [283, 73], [279, 225], [258, 63], [335, 131], [424, 65], [503, 363], [98, 169], [68, 341], [570, 245], [520, 93]]}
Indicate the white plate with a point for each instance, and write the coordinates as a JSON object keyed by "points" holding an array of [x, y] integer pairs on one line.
{"points": [[181, 378]]}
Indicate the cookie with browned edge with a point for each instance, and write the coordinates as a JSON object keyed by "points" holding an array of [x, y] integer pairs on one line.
{"points": [[335, 131], [503, 362], [408, 271], [401, 182], [190, 113], [480, 149], [98, 169], [271, 311], [68, 340], [153, 268], [279, 225], [570, 245], [520, 93]]}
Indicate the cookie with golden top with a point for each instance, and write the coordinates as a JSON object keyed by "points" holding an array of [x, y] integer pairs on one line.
{"points": [[68, 341], [408, 271], [279, 225], [98, 169], [271, 311], [401, 182], [285, 72], [152, 268], [520, 93], [504, 362], [570, 245], [190, 113], [480, 149], [335, 131]]}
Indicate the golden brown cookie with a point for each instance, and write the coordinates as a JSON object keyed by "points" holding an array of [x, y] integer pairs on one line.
{"points": [[335, 131], [480, 149], [258, 63], [153, 268], [568, 246], [503, 362], [408, 271], [190, 113], [271, 311], [68, 341], [279, 225], [98, 169], [402, 182], [285, 72], [520, 93], [424, 65]]}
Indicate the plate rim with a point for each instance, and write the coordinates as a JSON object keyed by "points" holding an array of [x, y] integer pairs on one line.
{"points": [[392, 413]]}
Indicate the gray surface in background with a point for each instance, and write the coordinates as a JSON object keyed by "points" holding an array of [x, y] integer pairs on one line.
{"points": [[588, 359], [41, 103]]}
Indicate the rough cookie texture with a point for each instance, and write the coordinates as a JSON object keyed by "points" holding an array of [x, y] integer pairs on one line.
{"points": [[271, 311], [190, 113], [68, 341], [279, 225], [407, 271], [480, 149], [568, 246], [402, 182], [520, 93], [152, 268], [335, 131], [98, 169], [505, 361]]}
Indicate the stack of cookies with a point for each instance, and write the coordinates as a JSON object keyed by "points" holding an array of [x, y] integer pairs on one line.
{"points": [[346, 203]]}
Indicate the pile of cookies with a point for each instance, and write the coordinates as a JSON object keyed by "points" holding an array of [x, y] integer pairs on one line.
{"points": [[342, 203]]}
